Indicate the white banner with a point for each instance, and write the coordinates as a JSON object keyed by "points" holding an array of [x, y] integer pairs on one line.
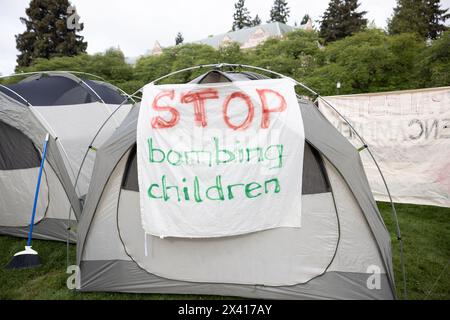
{"points": [[220, 159], [409, 134]]}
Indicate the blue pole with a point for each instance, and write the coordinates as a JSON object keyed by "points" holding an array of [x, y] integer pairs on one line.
{"points": [[38, 185]]}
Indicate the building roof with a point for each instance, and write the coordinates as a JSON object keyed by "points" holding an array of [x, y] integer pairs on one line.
{"points": [[244, 36]]}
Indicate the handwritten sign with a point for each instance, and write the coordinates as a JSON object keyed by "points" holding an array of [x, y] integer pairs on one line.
{"points": [[409, 134], [220, 159]]}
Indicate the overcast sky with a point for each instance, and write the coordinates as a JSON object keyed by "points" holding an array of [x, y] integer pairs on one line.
{"points": [[135, 25]]}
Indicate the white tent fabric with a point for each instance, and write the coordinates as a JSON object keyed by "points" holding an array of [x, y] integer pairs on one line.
{"points": [[75, 127], [17, 196]]}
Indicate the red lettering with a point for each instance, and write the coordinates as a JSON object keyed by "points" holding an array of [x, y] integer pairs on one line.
{"points": [[199, 98], [160, 123], [265, 122], [250, 113]]}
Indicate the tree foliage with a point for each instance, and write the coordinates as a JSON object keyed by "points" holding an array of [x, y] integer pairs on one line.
{"points": [[435, 63], [305, 19], [295, 55], [241, 17], [368, 61], [179, 39], [279, 12], [424, 17], [256, 21], [46, 34], [341, 19]]}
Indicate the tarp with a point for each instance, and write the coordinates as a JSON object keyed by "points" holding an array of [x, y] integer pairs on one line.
{"points": [[409, 134], [220, 159]]}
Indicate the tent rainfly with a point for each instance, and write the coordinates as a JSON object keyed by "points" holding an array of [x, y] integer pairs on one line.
{"points": [[72, 110], [342, 243]]}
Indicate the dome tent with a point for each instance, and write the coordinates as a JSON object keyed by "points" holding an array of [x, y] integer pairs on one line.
{"points": [[71, 109], [342, 235]]}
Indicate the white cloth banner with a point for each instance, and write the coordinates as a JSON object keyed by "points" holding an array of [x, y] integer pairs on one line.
{"points": [[220, 159], [409, 134]]}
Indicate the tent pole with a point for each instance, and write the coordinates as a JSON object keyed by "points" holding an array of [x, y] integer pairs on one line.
{"points": [[63, 72], [14, 92], [50, 72]]}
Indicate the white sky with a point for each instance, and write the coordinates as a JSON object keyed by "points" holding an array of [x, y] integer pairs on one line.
{"points": [[135, 25]]}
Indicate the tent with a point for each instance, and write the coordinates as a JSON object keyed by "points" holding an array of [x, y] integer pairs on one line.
{"points": [[72, 110], [342, 242]]}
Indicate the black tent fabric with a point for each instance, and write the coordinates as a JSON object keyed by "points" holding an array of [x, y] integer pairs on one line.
{"points": [[61, 90], [16, 150], [107, 92]]}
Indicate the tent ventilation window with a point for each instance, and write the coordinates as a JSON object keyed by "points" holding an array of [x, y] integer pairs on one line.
{"points": [[16, 150], [314, 175], [130, 178]]}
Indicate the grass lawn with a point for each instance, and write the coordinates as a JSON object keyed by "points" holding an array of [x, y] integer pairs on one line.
{"points": [[425, 230]]}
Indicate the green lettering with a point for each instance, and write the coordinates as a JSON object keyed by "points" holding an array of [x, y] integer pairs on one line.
{"points": [[230, 187], [258, 153], [249, 189], [150, 193], [197, 190], [278, 156], [166, 188], [277, 185], [186, 191], [152, 151], [219, 151], [175, 163], [219, 189]]}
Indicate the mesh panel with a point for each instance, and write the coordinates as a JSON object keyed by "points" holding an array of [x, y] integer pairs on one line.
{"points": [[16, 150], [130, 178]]}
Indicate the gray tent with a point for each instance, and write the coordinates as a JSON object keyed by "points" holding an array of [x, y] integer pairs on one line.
{"points": [[71, 109], [342, 239]]}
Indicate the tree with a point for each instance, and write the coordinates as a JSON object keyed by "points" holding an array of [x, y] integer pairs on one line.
{"points": [[293, 55], [341, 19], [436, 19], [179, 39], [436, 63], [369, 61], [241, 16], [424, 17], [256, 21], [305, 19], [47, 34], [279, 12]]}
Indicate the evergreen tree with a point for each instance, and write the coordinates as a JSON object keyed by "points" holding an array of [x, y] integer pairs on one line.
{"points": [[279, 12], [47, 34], [256, 21], [424, 17], [179, 39], [241, 16], [341, 19], [305, 19], [436, 19]]}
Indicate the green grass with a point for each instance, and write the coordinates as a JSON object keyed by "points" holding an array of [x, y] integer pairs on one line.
{"points": [[426, 240], [425, 230]]}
